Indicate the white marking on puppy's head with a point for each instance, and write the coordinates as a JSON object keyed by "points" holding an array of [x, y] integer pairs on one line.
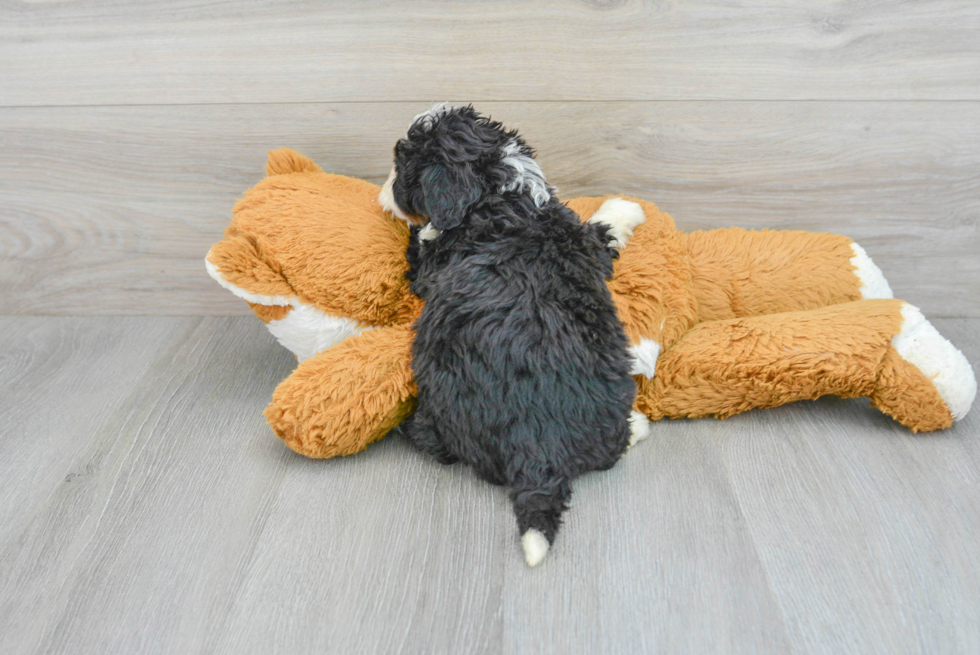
{"points": [[430, 115], [527, 174], [387, 198]]}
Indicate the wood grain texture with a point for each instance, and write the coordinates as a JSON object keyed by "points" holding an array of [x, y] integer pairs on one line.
{"points": [[110, 210], [164, 52], [179, 523], [141, 536], [864, 529], [60, 380]]}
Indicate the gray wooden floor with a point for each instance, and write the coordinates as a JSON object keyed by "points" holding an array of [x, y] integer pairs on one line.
{"points": [[145, 507]]}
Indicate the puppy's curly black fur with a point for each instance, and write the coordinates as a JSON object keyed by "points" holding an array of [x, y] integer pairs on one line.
{"points": [[521, 362]]}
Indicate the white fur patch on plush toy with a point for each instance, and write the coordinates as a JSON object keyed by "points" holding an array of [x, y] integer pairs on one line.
{"points": [[305, 330], [645, 355], [873, 282], [920, 344], [622, 217]]}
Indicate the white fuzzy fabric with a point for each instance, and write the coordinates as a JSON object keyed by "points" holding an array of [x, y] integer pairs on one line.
{"points": [[920, 344], [622, 217], [645, 355], [306, 330], [535, 546], [873, 282], [639, 427]]}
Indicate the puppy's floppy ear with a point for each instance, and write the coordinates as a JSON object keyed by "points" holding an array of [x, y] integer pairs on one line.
{"points": [[448, 191]]}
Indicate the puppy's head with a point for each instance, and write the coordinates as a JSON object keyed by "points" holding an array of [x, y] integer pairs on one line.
{"points": [[451, 158]]}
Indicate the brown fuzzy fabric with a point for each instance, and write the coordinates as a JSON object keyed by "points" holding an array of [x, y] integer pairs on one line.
{"points": [[908, 396], [721, 368], [348, 396], [270, 312], [322, 239], [745, 319], [738, 273]]}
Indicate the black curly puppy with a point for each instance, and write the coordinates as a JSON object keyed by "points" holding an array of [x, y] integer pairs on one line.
{"points": [[522, 364]]}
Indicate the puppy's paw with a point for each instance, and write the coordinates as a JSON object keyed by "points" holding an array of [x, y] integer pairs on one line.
{"points": [[639, 427], [622, 217], [428, 233]]}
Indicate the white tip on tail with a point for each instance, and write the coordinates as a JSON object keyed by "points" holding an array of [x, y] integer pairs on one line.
{"points": [[535, 546]]}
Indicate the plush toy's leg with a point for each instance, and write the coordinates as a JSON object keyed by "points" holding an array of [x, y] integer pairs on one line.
{"points": [[341, 400], [883, 349], [739, 273]]}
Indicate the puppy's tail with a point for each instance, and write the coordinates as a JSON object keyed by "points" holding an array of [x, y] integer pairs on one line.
{"points": [[539, 508]]}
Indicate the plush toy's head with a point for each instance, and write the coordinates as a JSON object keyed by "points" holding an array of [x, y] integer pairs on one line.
{"points": [[315, 256]]}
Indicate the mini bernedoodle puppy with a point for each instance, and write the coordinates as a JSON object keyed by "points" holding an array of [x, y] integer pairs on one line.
{"points": [[522, 364]]}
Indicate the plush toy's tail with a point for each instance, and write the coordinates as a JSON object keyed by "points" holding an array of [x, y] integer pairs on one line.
{"points": [[539, 507]]}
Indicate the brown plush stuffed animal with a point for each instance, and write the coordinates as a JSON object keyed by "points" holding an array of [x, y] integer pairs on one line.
{"points": [[721, 321]]}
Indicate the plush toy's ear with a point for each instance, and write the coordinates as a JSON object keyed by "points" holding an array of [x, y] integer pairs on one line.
{"points": [[448, 192]]}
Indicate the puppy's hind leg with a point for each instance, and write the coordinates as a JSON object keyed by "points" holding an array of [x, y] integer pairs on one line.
{"points": [[539, 506], [639, 427], [421, 435]]}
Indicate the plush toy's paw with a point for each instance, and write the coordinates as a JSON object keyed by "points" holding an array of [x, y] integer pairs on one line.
{"points": [[920, 344], [873, 282], [925, 383], [639, 427], [347, 397], [622, 217]]}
